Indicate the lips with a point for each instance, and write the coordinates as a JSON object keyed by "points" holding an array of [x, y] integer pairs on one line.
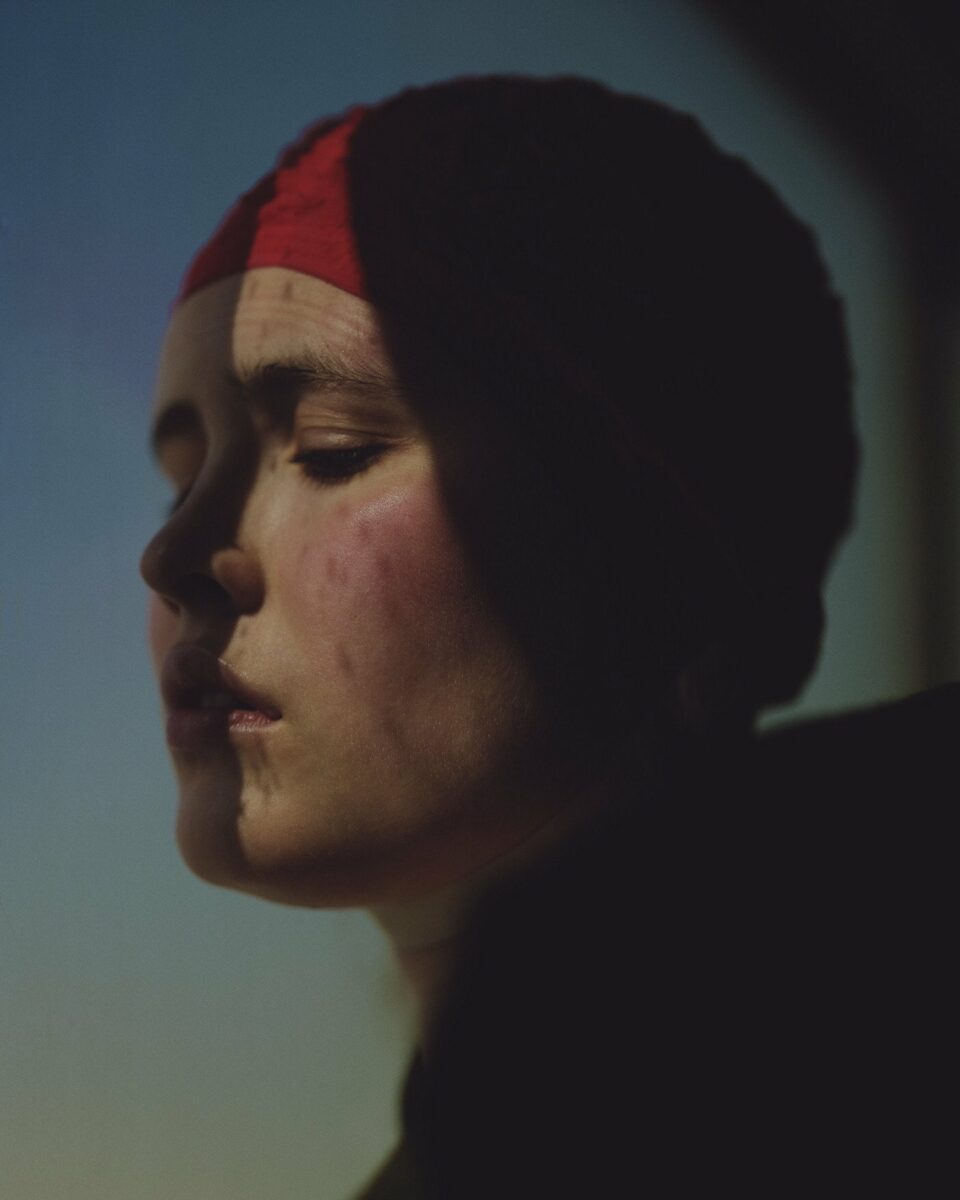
{"points": [[206, 700]]}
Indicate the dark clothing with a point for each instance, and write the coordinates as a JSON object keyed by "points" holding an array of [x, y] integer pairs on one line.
{"points": [[742, 982]]}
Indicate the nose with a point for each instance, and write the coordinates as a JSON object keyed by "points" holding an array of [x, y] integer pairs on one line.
{"points": [[194, 563]]}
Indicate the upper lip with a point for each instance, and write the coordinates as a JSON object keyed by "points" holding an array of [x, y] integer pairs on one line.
{"points": [[190, 673]]}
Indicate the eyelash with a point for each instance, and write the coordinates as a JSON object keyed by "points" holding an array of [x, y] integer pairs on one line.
{"points": [[329, 467], [323, 467]]}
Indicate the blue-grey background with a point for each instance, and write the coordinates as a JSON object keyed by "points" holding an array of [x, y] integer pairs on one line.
{"points": [[160, 1039]]}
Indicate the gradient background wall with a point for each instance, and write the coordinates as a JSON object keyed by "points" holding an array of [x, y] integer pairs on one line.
{"points": [[161, 1040]]}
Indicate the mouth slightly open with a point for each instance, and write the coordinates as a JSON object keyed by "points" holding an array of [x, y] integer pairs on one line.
{"points": [[207, 702]]}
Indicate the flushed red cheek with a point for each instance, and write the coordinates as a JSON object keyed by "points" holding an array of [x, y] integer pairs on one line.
{"points": [[380, 578]]}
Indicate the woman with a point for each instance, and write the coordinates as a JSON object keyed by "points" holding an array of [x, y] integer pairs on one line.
{"points": [[510, 428]]}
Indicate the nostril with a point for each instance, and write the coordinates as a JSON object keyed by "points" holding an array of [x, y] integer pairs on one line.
{"points": [[191, 563], [240, 575], [201, 592], [167, 570]]}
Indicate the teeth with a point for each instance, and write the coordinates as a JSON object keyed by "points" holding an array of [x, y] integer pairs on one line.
{"points": [[219, 700]]}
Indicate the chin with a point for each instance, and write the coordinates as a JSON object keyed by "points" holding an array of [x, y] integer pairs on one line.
{"points": [[303, 853], [207, 839], [222, 848]]}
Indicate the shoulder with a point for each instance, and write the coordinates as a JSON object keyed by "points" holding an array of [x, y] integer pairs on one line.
{"points": [[925, 716], [754, 968], [902, 744]]}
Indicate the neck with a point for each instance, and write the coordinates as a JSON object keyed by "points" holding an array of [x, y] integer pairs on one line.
{"points": [[427, 932]]}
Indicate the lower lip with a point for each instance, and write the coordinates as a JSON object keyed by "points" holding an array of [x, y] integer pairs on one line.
{"points": [[205, 728]]}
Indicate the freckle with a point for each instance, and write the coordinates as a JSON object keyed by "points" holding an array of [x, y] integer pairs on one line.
{"points": [[288, 291], [251, 289], [344, 661]]}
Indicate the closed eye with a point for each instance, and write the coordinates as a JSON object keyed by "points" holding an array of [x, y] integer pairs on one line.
{"points": [[325, 467], [336, 465]]}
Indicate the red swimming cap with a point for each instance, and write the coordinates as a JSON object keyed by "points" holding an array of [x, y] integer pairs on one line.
{"points": [[298, 216]]}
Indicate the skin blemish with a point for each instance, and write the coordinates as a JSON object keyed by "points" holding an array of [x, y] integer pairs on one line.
{"points": [[288, 291], [344, 661]]}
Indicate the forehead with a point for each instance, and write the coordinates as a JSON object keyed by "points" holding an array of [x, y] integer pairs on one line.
{"points": [[264, 315]]}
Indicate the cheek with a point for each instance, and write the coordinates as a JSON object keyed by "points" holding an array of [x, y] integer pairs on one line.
{"points": [[161, 630], [383, 583]]}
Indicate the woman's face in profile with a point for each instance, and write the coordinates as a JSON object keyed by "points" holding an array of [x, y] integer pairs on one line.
{"points": [[374, 731]]}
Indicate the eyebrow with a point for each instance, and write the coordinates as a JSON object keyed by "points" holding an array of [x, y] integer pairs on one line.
{"points": [[311, 370], [277, 384]]}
